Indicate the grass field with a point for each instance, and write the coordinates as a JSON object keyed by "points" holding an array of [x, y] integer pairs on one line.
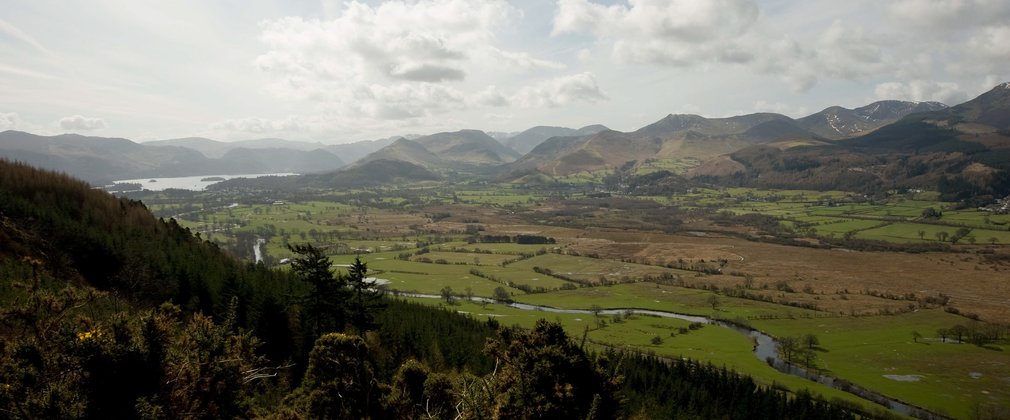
{"points": [[954, 377], [665, 298], [594, 269], [719, 346]]}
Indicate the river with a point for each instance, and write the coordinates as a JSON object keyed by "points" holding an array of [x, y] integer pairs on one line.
{"points": [[765, 349], [257, 249]]}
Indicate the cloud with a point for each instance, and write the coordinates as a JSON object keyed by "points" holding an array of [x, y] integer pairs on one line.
{"points": [[971, 36], [491, 96], [9, 121], [256, 125], [678, 33], [949, 15], [13, 32], [426, 73], [81, 123], [393, 61], [922, 90], [849, 52], [560, 91]]}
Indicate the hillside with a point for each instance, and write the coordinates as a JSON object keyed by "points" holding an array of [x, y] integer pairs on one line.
{"points": [[86, 236], [347, 153], [371, 173], [525, 141], [351, 152], [100, 160], [407, 151], [283, 160], [837, 122], [673, 137], [962, 151], [216, 149], [468, 147]]}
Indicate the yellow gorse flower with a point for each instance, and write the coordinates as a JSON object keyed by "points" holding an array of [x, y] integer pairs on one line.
{"points": [[89, 335]]}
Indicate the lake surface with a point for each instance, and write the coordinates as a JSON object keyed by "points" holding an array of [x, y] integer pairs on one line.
{"points": [[194, 183]]}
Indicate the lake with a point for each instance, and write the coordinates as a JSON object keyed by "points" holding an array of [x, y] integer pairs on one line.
{"points": [[194, 183]]}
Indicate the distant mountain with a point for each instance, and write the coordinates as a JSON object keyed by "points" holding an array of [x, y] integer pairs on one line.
{"points": [[363, 174], [525, 141], [568, 155], [374, 173], [468, 147], [673, 124], [989, 109], [406, 151], [674, 136], [837, 122], [283, 160], [348, 152], [962, 151], [693, 137], [100, 160], [351, 152], [216, 149]]}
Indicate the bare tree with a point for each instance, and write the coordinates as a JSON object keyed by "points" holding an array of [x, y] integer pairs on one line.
{"points": [[714, 302]]}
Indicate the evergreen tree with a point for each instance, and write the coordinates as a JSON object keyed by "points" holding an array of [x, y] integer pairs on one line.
{"points": [[365, 297], [544, 374], [325, 310]]}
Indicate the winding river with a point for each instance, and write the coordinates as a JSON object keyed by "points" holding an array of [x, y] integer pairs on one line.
{"points": [[765, 349], [257, 249]]}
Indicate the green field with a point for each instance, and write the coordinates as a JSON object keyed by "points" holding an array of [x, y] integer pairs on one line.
{"points": [[594, 269], [717, 345], [954, 377]]}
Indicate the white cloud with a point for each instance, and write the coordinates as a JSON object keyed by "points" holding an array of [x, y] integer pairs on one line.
{"points": [[14, 32], [491, 96], [698, 35], [394, 61], [560, 91], [922, 90], [947, 15], [985, 52], [524, 60], [254, 125], [849, 52], [9, 121], [81, 123], [678, 32]]}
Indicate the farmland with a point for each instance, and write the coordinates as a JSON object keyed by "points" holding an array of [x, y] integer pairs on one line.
{"points": [[860, 273]]}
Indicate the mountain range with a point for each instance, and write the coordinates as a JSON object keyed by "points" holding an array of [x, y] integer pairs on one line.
{"points": [[885, 142], [963, 151]]}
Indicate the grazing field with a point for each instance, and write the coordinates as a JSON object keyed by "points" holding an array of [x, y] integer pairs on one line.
{"points": [[719, 346], [595, 270], [789, 263], [666, 298], [938, 373]]}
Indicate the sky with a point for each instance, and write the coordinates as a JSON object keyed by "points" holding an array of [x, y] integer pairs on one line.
{"points": [[342, 71]]}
